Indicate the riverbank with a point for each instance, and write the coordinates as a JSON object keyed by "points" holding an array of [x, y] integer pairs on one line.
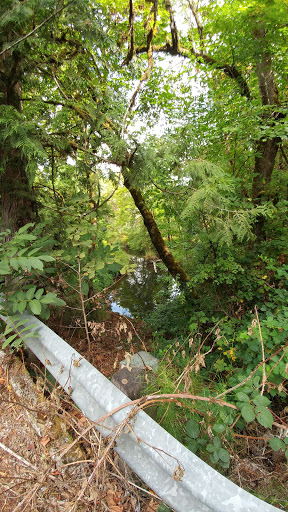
{"points": [[111, 338]]}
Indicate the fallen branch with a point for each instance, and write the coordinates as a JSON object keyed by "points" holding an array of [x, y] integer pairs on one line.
{"points": [[18, 457]]}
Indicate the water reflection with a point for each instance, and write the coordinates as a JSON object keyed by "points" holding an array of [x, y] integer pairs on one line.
{"points": [[136, 294]]}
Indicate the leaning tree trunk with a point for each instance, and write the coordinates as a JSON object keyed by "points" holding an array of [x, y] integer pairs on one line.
{"points": [[166, 256], [17, 203]]}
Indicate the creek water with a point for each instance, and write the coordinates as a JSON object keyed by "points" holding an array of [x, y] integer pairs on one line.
{"points": [[137, 293]]}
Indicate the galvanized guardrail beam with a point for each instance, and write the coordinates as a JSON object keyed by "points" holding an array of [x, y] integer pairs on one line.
{"points": [[157, 455]]}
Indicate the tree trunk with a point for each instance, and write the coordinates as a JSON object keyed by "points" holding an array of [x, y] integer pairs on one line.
{"points": [[266, 152], [266, 149], [17, 203], [166, 256]]}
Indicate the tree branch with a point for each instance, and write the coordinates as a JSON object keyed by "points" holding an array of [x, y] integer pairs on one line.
{"points": [[193, 8], [229, 70], [36, 28], [131, 49], [174, 31], [149, 68]]}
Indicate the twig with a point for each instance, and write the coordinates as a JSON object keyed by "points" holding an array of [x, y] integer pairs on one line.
{"points": [[28, 498], [18, 457], [143, 344], [252, 373], [264, 379], [59, 86], [83, 308], [139, 404]]}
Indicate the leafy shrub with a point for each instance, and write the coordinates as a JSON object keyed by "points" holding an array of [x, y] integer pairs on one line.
{"points": [[22, 263]]}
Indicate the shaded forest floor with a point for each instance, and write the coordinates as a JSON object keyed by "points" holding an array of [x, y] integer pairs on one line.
{"points": [[111, 337]]}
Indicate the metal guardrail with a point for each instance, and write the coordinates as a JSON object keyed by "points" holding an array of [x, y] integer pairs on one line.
{"points": [[157, 455]]}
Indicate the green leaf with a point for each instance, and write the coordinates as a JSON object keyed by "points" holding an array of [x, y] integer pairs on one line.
{"points": [[261, 400], [58, 302], [31, 238], [25, 228], [30, 292], [35, 306], [217, 442], [211, 448], [9, 328], [247, 413], [219, 428], [36, 263], [4, 268], [84, 288], [264, 416], [52, 299], [215, 457], [45, 257], [14, 263], [242, 397], [276, 444], [49, 298], [39, 293], [23, 262], [192, 446], [34, 251], [99, 265], [28, 328], [192, 429], [19, 307], [224, 455], [9, 340], [45, 313], [22, 251]]}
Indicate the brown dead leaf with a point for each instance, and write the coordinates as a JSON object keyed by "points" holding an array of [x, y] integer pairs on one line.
{"points": [[45, 440], [199, 361], [113, 499], [152, 506], [128, 361], [76, 363], [178, 473], [116, 362], [123, 326]]}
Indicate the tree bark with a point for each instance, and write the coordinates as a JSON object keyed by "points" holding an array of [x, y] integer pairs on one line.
{"points": [[17, 203], [266, 152], [266, 149], [166, 256]]}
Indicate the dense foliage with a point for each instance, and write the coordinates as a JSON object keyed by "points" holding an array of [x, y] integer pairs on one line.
{"points": [[157, 128]]}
